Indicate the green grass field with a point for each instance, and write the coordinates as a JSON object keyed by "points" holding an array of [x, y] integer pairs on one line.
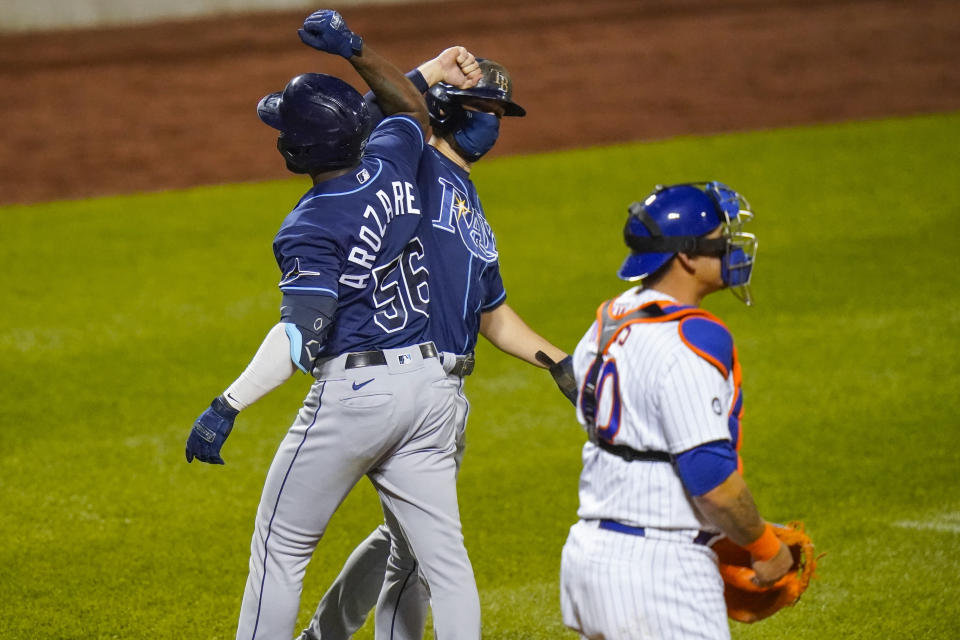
{"points": [[122, 317]]}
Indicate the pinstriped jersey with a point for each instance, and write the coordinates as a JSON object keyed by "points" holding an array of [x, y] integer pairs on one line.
{"points": [[655, 392]]}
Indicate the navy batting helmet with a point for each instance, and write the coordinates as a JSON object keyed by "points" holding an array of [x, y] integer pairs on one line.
{"points": [[443, 100], [323, 122], [676, 218]]}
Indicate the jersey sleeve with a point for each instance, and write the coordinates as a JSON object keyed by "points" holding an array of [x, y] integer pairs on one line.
{"points": [[494, 293], [399, 140], [310, 260], [694, 400]]}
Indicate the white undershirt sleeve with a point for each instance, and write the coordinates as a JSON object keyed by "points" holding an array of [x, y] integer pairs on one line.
{"points": [[271, 366]]}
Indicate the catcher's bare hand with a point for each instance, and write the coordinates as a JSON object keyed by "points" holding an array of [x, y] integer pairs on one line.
{"points": [[455, 66], [769, 571]]}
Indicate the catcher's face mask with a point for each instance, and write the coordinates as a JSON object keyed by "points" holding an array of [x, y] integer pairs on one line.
{"points": [[741, 247]]}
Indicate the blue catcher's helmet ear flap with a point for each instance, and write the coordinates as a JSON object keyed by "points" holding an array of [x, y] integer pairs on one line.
{"points": [[323, 122]]}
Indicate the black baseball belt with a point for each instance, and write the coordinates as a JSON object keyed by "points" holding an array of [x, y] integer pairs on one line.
{"points": [[633, 455], [376, 357]]}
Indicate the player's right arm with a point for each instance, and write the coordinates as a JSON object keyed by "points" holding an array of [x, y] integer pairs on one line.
{"points": [[291, 344], [730, 506], [326, 30], [455, 66]]}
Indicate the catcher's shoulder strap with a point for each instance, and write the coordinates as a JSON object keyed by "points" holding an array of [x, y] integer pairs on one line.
{"points": [[701, 331], [611, 319]]}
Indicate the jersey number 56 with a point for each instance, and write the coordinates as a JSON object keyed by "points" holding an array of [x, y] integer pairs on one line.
{"points": [[400, 287]]}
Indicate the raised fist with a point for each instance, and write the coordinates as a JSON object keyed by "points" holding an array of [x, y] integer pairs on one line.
{"points": [[459, 67], [327, 31]]}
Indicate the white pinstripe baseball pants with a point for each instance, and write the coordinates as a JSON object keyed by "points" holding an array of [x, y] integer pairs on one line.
{"points": [[616, 586]]}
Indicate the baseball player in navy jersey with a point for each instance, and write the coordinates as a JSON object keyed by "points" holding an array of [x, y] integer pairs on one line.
{"points": [[469, 300], [661, 401], [354, 314]]}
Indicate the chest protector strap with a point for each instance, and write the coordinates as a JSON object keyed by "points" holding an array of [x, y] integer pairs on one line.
{"points": [[609, 325]]}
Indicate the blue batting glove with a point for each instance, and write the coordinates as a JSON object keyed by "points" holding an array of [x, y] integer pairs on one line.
{"points": [[326, 30], [210, 431]]}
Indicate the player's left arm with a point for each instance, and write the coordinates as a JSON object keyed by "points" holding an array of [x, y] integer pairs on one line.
{"points": [[730, 506], [507, 331], [694, 398]]}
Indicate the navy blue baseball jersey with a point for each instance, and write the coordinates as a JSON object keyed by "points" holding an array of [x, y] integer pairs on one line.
{"points": [[354, 238], [461, 251]]}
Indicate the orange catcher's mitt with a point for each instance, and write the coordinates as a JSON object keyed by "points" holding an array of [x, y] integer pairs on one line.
{"points": [[746, 602]]}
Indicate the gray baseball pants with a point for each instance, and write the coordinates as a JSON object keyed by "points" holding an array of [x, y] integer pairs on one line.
{"points": [[383, 572], [397, 424]]}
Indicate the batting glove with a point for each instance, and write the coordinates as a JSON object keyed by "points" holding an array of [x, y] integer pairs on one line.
{"points": [[210, 431], [326, 30], [562, 373]]}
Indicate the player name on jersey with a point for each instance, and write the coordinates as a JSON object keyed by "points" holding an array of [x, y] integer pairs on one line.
{"points": [[402, 202]]}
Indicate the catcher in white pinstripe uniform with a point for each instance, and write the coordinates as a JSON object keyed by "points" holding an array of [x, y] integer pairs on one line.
{"points": [[661, 401]]}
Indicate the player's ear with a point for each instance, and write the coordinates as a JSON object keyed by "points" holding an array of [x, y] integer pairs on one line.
{"points": [[685, 261]]}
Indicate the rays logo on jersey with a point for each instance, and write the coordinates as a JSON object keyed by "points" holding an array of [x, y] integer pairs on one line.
{"points": [[457, 216]]}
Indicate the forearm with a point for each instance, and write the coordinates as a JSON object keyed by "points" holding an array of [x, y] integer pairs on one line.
{"points": [[432, 71], [270, 367], [394, 91], [508, 332], [414, 76], [730, 506]]}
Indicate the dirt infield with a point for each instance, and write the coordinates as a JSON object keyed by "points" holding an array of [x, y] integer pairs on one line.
{"points": [[172, 105]]}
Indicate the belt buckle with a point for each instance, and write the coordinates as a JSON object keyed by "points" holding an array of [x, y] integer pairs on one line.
{"points": [[464, 365], [361, 359]]}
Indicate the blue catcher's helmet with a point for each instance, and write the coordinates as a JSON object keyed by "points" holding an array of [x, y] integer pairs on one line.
{"points": [[443, 100], [676, 218], [323, 121]]}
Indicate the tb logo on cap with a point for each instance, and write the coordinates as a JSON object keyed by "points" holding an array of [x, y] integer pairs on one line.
{"points": [[502, 82]]}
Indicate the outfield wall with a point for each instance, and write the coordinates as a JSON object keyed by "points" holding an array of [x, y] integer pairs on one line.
{"points": [[31, 15]]}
